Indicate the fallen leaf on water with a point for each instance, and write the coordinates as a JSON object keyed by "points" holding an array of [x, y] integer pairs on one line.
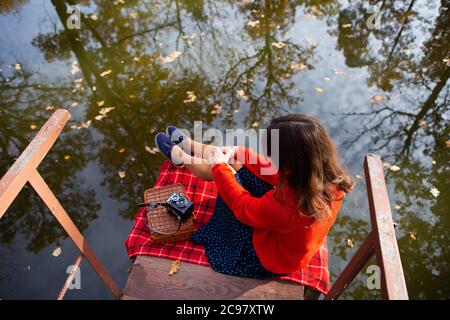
{"points": [[100, 103], [104, 111], [298, 66], [377, 98], [122, 150], [241, 94], [79, 80], [255, 124], [359, 177], [105, 73], [318, 89], [74, 104], [33, 126], [327, 79], [347, 25], [217, 109], [253, 24], [278, 45], [412, 235], [57, 251], [170, 57], [85, 125], [18, 67], [49, 107], [174, 267], [191, 97], [94, 17], [423, 125], [74, 126], [66, 157], [394, 168], [74, 67], [134, 15], [435, 192], [341, 72], [397, 207], [122, 174], [350, 243]]}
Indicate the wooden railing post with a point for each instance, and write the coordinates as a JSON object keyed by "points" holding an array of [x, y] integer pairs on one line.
{"points": [[381, 241], [393, 284], [25, 170]]}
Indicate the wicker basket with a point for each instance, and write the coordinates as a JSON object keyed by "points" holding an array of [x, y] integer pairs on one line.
{"points": [[161, 219]]}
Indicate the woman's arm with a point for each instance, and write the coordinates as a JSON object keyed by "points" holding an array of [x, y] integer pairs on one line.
{"points": [[263, 213], [259, 165]]}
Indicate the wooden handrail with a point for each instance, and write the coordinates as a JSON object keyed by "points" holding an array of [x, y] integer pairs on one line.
{"points": [[24, 170], [381, 241]]}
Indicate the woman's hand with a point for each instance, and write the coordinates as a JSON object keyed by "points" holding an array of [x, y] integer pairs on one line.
{"points": [[220, 154]]}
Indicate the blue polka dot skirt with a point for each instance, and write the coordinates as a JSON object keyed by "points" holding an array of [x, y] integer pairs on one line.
{"points": [[228, 242]]}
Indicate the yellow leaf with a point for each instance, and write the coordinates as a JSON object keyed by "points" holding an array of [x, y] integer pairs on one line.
{"points": [[348, 25], [255, 124], [412, 235], [122, 150], [33, 126], [298, 66], [122, 174], [100, 103], [170, 57], [350, 243], [66, 157], [105, 73], [394, 168], [241, 94], [174, 267], [94, 17], [377, 98], [253, 24], [74, 104], [18, 67], [57, 251], [319, 89], [278, 45], [435, 192], [191, 97], [359, 177]]}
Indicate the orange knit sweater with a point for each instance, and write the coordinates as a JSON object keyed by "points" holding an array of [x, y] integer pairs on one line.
{"points": [[284, 240]]}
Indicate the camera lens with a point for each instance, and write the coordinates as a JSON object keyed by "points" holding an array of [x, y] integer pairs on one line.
{"points": [[175, 197], [181, 202]]}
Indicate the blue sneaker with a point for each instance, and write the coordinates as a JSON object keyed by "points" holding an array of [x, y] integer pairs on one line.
{"points": [[165, 145], [175, 134]]}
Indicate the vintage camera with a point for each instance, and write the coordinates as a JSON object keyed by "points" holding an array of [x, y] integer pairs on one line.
{"points": [[180, 205]]}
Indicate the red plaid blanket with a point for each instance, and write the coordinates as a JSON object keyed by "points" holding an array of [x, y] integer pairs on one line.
{"points": [[204, 194]]}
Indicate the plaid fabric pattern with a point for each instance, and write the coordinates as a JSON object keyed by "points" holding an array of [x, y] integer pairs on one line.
{"points": [[204, 195]]}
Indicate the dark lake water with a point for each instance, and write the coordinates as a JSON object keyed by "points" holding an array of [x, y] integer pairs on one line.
{"points": [[380, 88]]}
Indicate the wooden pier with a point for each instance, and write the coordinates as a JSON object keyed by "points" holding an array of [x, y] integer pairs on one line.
{"points": [[149, 277]]}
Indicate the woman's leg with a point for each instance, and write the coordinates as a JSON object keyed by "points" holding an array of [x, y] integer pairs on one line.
{"points": [[197, 165]]}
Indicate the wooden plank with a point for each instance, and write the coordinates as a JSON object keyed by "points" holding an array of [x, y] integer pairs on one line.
{"points": [[149, 279], [393, 284], [355, 265], [16, 177], [42, 189]]}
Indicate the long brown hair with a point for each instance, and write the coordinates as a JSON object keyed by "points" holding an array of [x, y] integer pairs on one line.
{"points": [[308, 163]]}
